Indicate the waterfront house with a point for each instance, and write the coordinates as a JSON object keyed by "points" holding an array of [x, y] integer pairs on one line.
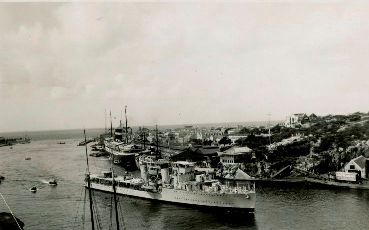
{"points": [[360, 165], [234, 155]]}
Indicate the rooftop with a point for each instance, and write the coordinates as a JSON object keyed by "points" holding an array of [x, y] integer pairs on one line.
{"points": [[236, 151], [184, 163], [360, 161]]}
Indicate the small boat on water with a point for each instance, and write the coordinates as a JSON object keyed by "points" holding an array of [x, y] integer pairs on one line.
{"points": [[61, 142], [53, 182], [28, 158], [33, 189]]}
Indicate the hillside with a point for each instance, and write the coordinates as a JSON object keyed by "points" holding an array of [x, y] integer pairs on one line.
{"points": [[316, 145]]}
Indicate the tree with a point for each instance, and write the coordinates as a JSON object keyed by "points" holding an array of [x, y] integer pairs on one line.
{"points": [[326, 143], [253, 141], [225, 140], [244, 130], [207, 142], [196, 141], [172, 136]]}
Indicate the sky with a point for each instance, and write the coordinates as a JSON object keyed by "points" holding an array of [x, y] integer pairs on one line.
{"points": [[63, 64]]}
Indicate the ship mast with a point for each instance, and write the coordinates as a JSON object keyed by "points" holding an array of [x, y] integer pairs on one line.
{"points": [[105, 121], [270, 141], [89, 185], [120, 121], [111, 126], [125, 113]]}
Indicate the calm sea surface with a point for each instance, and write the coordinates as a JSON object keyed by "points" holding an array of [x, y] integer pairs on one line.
{"points": [[64, 206]]}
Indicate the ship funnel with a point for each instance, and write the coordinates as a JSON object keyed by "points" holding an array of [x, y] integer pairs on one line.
{"points": [[165, 175], [143, 169]]}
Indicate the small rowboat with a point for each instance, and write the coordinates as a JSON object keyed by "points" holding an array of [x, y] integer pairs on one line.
{"points": [[33, 189], [53, 182]]}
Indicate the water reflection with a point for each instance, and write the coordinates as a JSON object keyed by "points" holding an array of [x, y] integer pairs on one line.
{"points": [[237, 219]]}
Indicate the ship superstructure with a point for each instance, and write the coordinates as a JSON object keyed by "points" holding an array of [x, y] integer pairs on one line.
{"points": [[122, 153], [178, 182]]}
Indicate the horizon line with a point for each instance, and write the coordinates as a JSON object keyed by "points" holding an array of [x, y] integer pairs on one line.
{"points": [[184, 124]]}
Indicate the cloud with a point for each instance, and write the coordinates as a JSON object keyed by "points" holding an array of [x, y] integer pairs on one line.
{"points": [[180, 62]]}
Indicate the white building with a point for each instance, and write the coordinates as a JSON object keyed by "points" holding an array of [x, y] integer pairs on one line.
{"points": [[234, 155], [295, 119], [358, 165]]}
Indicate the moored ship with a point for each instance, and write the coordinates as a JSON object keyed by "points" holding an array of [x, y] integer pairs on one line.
{"points": [[177, 182], [120, 146], [122, 154]]}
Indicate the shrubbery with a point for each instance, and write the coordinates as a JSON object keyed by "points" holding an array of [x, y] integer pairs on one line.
{"points": [[295, 149], [253, 141]]}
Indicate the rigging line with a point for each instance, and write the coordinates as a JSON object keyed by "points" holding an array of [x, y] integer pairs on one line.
{"points": [[121, 216], [77, 207], [130, 205], [95, 217], [111, 213], [133, 205], [84, 210], [98, 219], [16, 221], [99, 222]]}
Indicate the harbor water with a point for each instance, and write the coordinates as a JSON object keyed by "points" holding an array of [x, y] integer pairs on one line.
{"points": [[65, 206]]}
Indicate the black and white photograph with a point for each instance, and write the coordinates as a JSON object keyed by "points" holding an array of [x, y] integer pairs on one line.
{"points": [[130, 115]]}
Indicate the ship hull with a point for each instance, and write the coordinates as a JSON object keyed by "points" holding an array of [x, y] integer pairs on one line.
{"points": [[240, 202]]}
